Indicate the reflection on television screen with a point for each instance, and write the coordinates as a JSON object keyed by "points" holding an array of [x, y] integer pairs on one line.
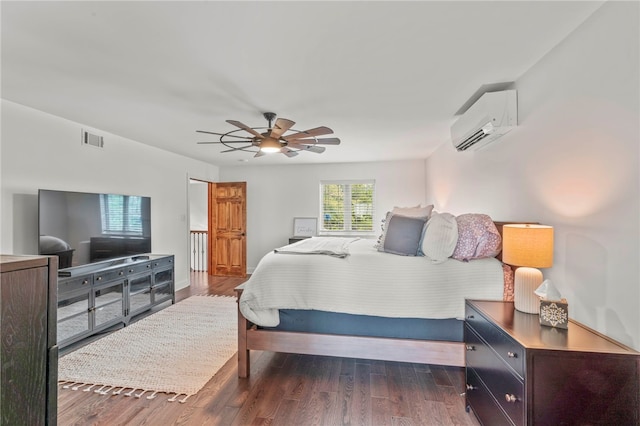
{"points": [[82, 228]]}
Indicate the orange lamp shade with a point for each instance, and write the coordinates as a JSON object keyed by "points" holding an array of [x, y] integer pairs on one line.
{"points": [[527, 245]]}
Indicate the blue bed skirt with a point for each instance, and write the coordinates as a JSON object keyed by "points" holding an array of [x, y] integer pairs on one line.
{"points": [[322, 322]]}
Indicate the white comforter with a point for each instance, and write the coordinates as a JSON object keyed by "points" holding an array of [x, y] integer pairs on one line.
{"points": [[338, 247], [367, 282]]}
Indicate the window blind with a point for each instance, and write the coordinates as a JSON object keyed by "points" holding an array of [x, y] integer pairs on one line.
{"points": [[121, 214], [347, 206]]}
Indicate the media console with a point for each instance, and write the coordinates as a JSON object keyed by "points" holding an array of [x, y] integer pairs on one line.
{"points": [[95, 297]]}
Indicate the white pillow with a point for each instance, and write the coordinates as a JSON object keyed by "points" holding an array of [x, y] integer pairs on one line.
{"points": [[440, 237], [416, 211]]}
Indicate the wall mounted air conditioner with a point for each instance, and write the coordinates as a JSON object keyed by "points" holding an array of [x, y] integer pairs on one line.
{"points": [[490, 117]]}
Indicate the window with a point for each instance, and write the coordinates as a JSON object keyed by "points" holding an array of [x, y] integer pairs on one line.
{"points": [[346, 207], [121, 214]]}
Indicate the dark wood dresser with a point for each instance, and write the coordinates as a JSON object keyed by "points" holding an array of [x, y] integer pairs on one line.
{"points": [[296, 239], [29, 354], [521, 373]]}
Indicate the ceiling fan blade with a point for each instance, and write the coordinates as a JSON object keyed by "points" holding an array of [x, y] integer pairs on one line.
{"points": [[281, 126], [259, 154], [245, 127], [325, 141], [288, 152], [312, 148], [237, 149], [318, 131], [225, 142], [224, 134]]}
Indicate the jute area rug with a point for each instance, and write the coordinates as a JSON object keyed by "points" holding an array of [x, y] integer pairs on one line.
{"points": [[174, 351]]}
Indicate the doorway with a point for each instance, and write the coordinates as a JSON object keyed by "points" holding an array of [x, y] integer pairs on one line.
{"points": [[198, 225]]}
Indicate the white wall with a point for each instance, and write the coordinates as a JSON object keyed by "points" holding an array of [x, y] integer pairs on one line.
{"points": [[40, 150], [572, 163], [277, 194]]}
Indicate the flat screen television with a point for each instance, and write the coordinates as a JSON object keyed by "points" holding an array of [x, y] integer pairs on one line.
{"points": [[82, 228]]}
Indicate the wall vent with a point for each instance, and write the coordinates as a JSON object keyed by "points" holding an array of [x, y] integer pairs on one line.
{"points": [[91, 139]]}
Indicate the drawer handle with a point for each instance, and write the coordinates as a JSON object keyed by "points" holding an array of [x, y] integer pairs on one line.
{"points": [[130, 270], [148, 266], [121, 273], [510, 397], [470, 387], [470, 347], [512, 355], [85, 281], [99, 278], [470, 317]]}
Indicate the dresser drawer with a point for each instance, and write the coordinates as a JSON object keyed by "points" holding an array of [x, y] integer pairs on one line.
{"points": [[138, 267], [110, 275], [165, 261], [72, 284], [482, 403], [507, 348], [505, 386]]}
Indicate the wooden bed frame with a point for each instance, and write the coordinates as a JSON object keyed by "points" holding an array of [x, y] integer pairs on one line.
{"points": [[381, 348], [250, 337]]}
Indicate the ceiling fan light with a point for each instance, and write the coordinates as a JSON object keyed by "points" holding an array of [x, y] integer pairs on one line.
{"points": [[269, 145]]}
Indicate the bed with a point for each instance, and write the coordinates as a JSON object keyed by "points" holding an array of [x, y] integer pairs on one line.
{"points": [[368, 304]]}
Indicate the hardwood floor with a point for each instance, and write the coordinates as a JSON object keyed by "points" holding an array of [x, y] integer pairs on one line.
{"points": [[288, 389]]}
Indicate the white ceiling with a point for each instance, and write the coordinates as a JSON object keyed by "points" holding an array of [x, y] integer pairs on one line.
{"points": [[387, 77]]}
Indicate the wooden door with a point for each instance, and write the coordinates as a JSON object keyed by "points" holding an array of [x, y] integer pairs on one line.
{"points": [[227, 229]]}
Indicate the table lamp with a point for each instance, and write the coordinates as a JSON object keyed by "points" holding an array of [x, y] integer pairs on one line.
{"points": [[529, 247]]}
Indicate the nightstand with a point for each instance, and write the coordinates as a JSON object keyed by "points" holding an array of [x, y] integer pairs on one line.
{"points": [[296, 239], [521, 373]]}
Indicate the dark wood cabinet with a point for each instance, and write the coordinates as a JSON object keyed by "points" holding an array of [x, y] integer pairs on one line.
{"points": [[99, 296], [521, 373], [28, 351], [296, 239]]}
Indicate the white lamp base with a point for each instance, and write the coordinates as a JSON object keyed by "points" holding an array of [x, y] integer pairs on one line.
{"points": [[525, 282]]}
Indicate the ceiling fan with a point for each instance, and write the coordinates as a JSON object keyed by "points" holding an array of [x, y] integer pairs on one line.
{"points": [[279, 137]]}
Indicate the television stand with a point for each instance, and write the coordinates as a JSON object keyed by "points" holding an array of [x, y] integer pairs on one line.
{"points": [[93, 298]]}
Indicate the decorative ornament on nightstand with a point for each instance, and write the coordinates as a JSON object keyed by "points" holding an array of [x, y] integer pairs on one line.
{"points": [[554, 310], [529, 247]]}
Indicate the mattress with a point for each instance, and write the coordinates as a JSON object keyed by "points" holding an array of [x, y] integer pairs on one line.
{"points": [[367, 282], [322, 322]]}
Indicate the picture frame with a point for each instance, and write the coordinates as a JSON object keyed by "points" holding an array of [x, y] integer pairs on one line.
{"points": [[305, 226]]}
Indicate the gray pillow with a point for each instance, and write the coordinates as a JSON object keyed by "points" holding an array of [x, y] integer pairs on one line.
{"points": [[402, 235]]}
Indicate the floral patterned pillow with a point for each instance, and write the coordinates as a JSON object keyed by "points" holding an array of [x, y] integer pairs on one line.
{"points": [[478, 237]]}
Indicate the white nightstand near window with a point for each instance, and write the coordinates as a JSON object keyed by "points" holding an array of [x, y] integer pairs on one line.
{"points": [[346, 207]]}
